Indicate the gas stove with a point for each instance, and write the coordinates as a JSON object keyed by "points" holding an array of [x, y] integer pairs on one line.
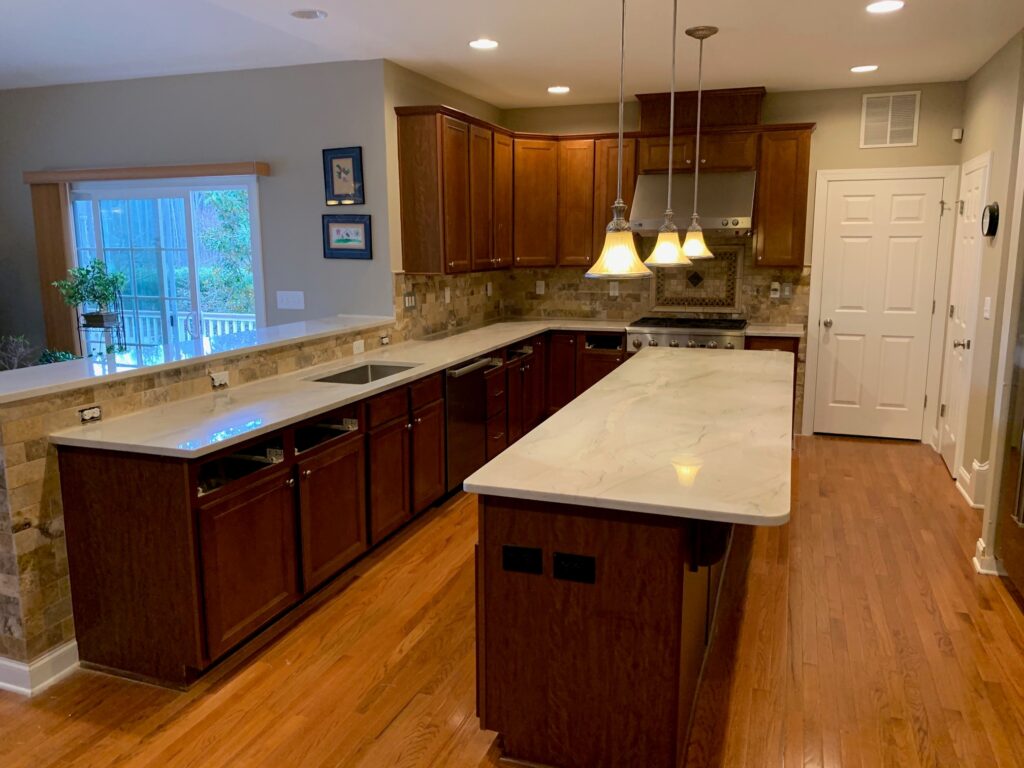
{"points": [[691, 332]]}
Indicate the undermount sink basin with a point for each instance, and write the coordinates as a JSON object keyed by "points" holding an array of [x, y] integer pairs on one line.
{"points": [[364, 374]]}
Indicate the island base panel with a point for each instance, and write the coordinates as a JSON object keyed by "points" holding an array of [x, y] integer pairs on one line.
{"points": [[592, 629]]}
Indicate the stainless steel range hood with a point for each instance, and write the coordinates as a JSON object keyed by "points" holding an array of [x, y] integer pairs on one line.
{"points": [[726, 202]]}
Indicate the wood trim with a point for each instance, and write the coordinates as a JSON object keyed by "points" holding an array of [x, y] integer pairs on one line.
{"points": [[251, 168], [54, 256]]}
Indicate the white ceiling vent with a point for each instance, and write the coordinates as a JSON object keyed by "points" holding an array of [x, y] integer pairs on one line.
{"points": [[890, 119]]}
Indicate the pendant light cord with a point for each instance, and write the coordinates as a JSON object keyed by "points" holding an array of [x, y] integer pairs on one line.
{"points": [[672, 112], [622, 69], [696, 159]]}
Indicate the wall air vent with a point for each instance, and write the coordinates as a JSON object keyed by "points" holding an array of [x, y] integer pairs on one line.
{"points": [[890, 119]]}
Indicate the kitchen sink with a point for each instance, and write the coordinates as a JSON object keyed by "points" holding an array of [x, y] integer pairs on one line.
{"points": [[364, 374]]}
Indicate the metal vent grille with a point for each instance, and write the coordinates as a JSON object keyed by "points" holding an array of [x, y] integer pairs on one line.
{"points": [[890, 119]]}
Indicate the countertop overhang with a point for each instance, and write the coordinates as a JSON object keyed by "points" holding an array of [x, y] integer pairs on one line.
{"points": [[690, 433]]}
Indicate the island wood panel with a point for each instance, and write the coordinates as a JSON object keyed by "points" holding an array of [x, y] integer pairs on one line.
{"points": [[421, 193], [502, 201], [781, 208], [116, 569], [562, 661], [606, 154], [535, 202], [456, 194], [481, 174], [575, 201]]}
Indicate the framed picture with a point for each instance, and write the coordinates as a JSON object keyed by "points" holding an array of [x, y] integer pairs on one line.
{"points": [[347, 236], [343, 176]]}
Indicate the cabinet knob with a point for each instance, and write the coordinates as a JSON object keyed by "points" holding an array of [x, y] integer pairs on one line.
{"points": [[408, 426], [307, 472], [703, 160], [290, 482], [417, 421]]}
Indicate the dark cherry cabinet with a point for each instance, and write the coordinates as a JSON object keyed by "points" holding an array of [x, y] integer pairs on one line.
{"points": [[729, 151], [599, 355], [561, 369], [534, 396], [781, 208], [502, 200], [514, 389], [606, 158], [249, 564], [497, 406], [481, 188], [652, 156], [388, 456], [428, 454], [332, 509], [455, 194], [789, 344], [535, 202], [575, 202]]}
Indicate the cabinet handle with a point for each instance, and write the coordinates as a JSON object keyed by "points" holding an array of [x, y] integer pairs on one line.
{"points": [[499, 394], [290, 482], [498, 436]]}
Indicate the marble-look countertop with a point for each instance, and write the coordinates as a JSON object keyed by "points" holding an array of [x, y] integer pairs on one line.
{"points": [[25, 383], [197, 426], [793, 330], [692, 433]]}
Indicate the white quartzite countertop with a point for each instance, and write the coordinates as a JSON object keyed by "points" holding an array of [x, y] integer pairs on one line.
{"points": [[693, 433], [197, 426]]}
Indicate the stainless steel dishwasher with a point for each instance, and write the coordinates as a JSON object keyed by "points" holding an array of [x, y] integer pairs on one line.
{"points": [[466, 418]]}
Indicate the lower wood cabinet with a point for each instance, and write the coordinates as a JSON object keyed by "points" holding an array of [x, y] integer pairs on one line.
{"points": [[249, 564], [561, 369], [789, 344], [332, 509], [389, 477], [599, 355], [515, 398], [428, 455]]}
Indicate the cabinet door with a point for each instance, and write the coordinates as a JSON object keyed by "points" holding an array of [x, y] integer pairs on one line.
{"points": [[480, 189], [249, 562], [535, 207], [594, 366], [533, 391], [428, 456], [781, 208], [502, 200], [575, 202], [728, 152], [561, 369], [606, 154], [514, 387], [653, 156], [332, 510], [389, 478], [455, 190]]}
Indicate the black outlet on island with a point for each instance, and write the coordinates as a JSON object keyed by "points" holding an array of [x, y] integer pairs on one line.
{"points": [[522, 559], [580, 568]]}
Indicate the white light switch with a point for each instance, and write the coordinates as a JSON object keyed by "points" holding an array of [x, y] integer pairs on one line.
{"points": [[988, 308], [358, 347], [540, 288], [291, 300], [613, 288]]}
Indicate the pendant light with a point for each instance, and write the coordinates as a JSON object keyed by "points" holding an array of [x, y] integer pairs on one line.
{"points": [[667, 251], [619, 259], [694, 245]]}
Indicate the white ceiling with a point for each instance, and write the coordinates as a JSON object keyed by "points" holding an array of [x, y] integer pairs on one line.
{"points": [[782, 44]]}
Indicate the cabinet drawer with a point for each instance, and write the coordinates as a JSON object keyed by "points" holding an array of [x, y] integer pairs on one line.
{"points": [[425, 391], [496, 396], [387, 407], [497, 435]]}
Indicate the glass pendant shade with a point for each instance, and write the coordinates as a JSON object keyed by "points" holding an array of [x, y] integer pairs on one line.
{"points": [[667, 251], [619, 259], [694, 246]]}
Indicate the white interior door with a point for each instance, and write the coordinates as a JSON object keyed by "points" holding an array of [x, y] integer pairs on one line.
{"points": [[878, 275], [962, 311]]}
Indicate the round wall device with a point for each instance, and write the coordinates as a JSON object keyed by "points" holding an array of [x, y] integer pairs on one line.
{"points": [[990, 220]]}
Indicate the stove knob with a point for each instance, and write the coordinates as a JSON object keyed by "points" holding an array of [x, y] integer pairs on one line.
{"points": [[735, 222], [637, 343], [652, 343], [673, 343], [712, 345], [725, 222], [729, 345], [691, 344]]}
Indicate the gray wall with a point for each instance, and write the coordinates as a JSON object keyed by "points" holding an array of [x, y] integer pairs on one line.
{"points": [[284, 116]]}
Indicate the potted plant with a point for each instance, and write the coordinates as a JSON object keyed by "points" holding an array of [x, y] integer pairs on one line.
{"points": [[93, 284]]}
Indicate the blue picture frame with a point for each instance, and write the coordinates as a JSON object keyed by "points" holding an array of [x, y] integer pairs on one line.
{"points": [[343, 176], [347, 236]]}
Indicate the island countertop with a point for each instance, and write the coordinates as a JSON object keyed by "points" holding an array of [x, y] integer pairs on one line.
{"points": [[692, 433]]}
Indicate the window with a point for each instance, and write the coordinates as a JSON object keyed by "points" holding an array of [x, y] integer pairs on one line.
{"points": [[188, 248]]}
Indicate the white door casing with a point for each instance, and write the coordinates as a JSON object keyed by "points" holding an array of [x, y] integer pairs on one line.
{"points": [[881, 246], [961, 312]]}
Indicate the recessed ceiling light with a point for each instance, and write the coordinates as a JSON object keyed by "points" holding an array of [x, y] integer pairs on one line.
{"points": [[885, 6], [558, 89], [309, 14], [484, 44], [864, 68]]}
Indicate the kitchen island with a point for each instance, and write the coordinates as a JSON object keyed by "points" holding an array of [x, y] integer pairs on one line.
{"points": [[606, 535]]}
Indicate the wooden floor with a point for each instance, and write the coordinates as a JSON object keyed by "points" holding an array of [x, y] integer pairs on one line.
{"points": [[866, 640]]}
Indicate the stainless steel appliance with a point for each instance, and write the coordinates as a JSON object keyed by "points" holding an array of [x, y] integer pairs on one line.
{"points": [[691, 332], [726, 204], [466, 418]]}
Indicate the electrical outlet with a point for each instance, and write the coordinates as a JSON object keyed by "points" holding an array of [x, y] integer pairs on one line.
{"points": [[787, 290], [613, 288], [291, 300], [385, 339], [447, 295], [92, 413], [775, 290], [358, 347], [987, 311], [220, 379], [539, 288], [490, 289]]}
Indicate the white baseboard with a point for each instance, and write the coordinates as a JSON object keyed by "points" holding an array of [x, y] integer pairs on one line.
{"points": [[29, 678], [984, 562], [966, 484]]}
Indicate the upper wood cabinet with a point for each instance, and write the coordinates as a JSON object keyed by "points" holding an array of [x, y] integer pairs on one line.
{"points": [[455, 193], [575, 201], [535, 206], [653, 155], [781, 207], [481, 175], [718, 152], [606, 157], [502, 200]]}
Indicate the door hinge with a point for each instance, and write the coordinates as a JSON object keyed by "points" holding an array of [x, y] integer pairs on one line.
{"points": [[961, 204], [942, 411], [926, 401], [952, 310], [933, 306]]}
